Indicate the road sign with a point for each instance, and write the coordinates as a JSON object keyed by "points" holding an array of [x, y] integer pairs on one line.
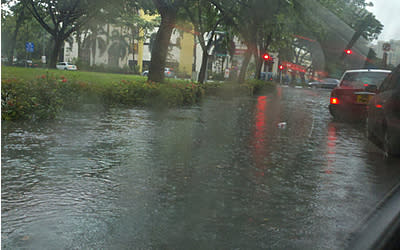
{"points": [[29, 46], [240, 51], [386, 47], [226, 74]]}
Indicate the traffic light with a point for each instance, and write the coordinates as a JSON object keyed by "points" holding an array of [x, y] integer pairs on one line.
{"points": [[348, 51], [281, 67], [266, 57]]}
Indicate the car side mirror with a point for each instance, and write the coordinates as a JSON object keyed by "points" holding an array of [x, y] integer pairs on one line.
{"points": [[372, 88]]}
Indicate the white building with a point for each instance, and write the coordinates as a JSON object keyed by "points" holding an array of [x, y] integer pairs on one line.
{"points": [[393, 57]]}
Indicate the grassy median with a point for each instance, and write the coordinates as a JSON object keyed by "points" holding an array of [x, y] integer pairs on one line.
{"points": [[38, 94]]}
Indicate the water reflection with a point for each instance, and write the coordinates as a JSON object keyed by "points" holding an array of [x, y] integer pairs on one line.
{"points": [[331, 148], [220, 175], [259, 141]]}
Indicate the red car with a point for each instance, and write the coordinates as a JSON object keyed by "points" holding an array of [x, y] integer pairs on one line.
{"points": [[350, 98]]}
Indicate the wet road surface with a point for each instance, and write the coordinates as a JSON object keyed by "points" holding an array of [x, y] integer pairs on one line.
{"points": [[226, 174]]}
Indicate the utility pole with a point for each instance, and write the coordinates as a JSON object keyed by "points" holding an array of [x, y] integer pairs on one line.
{"points": [[386, 49]]}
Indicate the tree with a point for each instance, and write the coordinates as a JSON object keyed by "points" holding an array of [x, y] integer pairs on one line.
{"points": [[205, 19], [136, 27], [259, 25], [61, 18], [335, 25], [18, 27], [168, 10], [20, 16]]}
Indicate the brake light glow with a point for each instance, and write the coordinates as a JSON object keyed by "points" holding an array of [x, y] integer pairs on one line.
{"points": [[334, 100], [379, 106]]}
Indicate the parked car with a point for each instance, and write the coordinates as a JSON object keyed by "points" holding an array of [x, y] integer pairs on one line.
{"points": [[350, 98], [66, 66], [168, 72], [383, 121], [327, 83], [4, 59], [24, 63]]}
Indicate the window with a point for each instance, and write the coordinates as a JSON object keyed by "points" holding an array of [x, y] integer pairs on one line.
{"points": [[359, 79]]}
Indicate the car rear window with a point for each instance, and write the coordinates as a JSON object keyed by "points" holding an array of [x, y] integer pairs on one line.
{"points": [[362, 79]]}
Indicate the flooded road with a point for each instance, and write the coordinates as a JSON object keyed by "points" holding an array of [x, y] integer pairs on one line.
{"points": [[267, 172]]}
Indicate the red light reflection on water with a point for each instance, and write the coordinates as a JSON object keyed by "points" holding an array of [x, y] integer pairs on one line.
{"points": [[259, 134], [331, 148]]}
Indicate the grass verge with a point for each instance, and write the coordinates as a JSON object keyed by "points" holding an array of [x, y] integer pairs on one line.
{"points": [[39, 94]]}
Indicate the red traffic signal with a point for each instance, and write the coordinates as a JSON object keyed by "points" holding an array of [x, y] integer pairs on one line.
{"points": [[266, 57], [281, 67], [348, 51]]}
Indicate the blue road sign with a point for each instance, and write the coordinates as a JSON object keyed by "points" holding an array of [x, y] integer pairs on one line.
{"points": [[29, 46]]}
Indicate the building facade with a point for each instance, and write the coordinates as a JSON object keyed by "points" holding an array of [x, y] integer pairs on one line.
{"points": [[393, 55]]}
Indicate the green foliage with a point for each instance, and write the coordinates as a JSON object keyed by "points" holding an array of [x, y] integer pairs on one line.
{"points": [[255, 86], [44, 96], [18, 27], [39, 99]]}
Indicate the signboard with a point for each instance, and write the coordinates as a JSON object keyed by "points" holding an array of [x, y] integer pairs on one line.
{"points": [[43, 59], [293, 67], [386, 47], [226, 73], [240, 51], [29, 46]]}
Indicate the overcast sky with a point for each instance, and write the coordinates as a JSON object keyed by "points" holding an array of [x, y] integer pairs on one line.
{"points": [[388, 13]]}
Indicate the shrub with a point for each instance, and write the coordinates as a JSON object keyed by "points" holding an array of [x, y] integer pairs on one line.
{"points": [[37, 99], [45, 97], [255, 86]]}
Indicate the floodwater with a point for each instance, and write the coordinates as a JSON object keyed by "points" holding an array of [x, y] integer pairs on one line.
{"points": [[267, 172]]}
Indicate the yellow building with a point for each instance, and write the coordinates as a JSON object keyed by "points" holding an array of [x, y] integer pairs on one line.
{"points": [[184, 56]]}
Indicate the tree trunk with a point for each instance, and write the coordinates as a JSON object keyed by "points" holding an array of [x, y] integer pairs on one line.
{"points": [[56, 50], [203, 68], [18, 24], [259, 64], [78, 40], [94, 47], [245, 63], [160, 48]]}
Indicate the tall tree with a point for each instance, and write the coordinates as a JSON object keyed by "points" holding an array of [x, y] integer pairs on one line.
{"points": [[61, 18], [206, 19], [20, 14], [168, 10], [18, 26]]}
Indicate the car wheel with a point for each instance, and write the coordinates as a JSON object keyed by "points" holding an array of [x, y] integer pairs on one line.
{"points": [[386, 146]]}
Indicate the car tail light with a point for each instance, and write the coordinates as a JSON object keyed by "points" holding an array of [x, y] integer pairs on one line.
{"points": [[379, 106], [334, 100]]}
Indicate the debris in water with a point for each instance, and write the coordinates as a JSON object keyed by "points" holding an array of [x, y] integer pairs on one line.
{"points": [[282, 125]]}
